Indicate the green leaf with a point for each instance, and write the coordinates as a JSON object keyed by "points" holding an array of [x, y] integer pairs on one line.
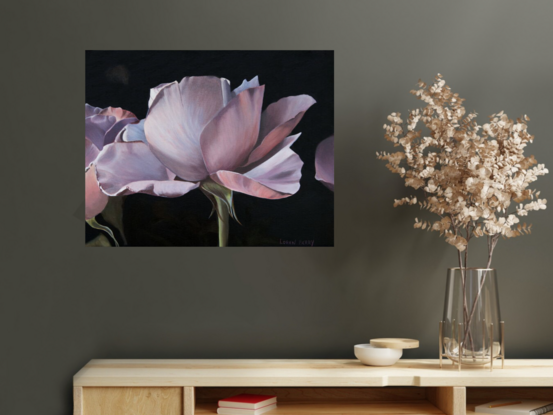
{"points": [[93, 223], [214, 190], [113, 214], [212, 200]]}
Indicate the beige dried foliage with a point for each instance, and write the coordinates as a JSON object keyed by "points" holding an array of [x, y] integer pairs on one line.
{"points": [[475, 178]]}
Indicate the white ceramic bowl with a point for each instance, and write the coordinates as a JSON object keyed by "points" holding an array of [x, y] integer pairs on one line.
{"points": [[376, 356]]}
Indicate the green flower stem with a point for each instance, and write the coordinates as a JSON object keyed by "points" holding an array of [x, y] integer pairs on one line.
{"points": [[221, 200], [223, 220], [93, 223]]}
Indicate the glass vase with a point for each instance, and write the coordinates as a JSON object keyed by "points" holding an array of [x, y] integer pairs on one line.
{"points": [[471, 332]]}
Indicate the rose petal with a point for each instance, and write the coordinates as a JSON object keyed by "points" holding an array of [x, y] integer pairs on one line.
{"points": [[252, 83], [118, 113], [177, 116], [90, 152], [95, 200], [284, 110], [103, 126], [89, 110], [122, 118], [277, 121], [154, 92], [127, 168], [116, 129], [231, 135], [286, 143], [96, 128], [277, 178], [324, 162], [133, 132]]}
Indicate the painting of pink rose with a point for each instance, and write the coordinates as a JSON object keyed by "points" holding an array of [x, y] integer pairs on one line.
{"points": [[212, 149]]}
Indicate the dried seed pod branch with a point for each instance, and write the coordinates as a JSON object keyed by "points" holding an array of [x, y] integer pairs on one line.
{"points": [[475, 178]]}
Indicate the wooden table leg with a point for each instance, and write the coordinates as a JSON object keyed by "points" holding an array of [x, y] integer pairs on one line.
{"points": [[451, 400], [189, 400], [77, 400]]}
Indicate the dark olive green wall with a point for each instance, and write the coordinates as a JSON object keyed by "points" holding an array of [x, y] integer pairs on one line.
{"points": [[62, 304]]}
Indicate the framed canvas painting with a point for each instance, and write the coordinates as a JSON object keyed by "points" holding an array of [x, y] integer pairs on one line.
{"points": [[209, 148]]}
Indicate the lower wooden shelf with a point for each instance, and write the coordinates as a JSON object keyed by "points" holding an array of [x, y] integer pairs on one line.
{"points": [[342, 401], [333, 408]]}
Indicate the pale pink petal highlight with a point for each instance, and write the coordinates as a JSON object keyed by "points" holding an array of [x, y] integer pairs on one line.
{"points": [[127, 168], [176, 119], [155, 91], [90, 152], [278, 121], [95, 200], [277, 178], [96, 128], [286, 143], [231, 135]]}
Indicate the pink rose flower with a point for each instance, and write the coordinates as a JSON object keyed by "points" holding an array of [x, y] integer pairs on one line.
{"points": [[199, 131], [101, 128]]}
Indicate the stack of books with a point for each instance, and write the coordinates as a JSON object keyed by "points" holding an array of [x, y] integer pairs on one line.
{"points": [[515, 407], [247, 404]]}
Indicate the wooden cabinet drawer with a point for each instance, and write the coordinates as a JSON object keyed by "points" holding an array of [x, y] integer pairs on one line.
{"points": [[132, 401]]}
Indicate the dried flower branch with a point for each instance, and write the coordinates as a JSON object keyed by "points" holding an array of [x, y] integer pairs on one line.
{"points": [[475, 178]]}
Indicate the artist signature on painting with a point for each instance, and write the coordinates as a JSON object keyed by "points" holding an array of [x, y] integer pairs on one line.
{"points": [[297, 242]]}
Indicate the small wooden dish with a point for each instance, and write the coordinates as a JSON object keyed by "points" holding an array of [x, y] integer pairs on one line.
{"points": [[395, 343]]}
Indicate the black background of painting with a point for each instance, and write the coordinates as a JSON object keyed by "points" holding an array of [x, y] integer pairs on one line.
{"points": [[304, 218]]}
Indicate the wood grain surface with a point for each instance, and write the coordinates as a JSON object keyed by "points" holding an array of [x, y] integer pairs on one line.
{"points": [[302, 373], [132, 401], [450, 400]]}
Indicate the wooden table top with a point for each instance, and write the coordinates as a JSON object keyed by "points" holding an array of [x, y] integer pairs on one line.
{"points": [[305, 373]]}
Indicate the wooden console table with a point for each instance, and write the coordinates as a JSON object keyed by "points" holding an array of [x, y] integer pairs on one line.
{"points": [[320, 387]]}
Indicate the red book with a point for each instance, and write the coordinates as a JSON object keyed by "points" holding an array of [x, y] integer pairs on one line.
{"points": [[247, 401]]}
